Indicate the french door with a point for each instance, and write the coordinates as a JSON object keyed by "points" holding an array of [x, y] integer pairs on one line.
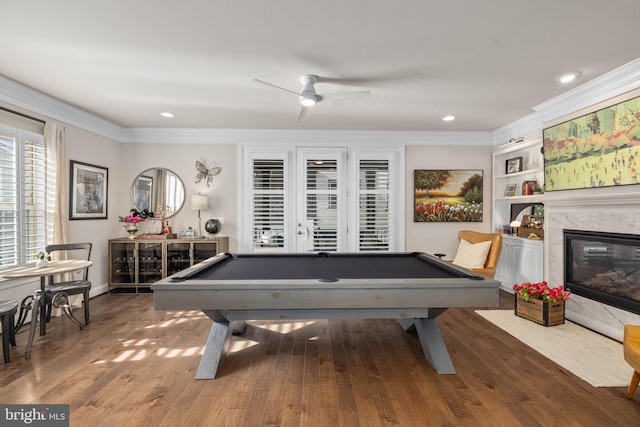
{"points": [[321, 224], [309, 199]]}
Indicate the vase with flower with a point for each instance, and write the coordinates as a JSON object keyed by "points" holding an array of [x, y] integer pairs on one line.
{"points": [[132, 222], [42, 261], [540, 303]]}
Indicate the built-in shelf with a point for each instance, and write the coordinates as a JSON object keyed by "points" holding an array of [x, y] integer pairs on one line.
{"points": [[533, 198], [517, 174]]}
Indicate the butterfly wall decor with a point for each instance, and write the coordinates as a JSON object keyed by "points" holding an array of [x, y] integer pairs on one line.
{"points": [[204, 172]]}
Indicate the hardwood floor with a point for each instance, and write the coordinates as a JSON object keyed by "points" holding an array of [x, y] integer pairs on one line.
{"points": [[134, 366]]}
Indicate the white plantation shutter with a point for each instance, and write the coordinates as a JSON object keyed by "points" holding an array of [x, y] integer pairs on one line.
{"points": [[268, 204], [22, 195], [323, 204], [374, 213], [315, 199]]}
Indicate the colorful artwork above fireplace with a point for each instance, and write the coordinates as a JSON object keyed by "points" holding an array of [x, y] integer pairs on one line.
{"points": [[599, 149]]}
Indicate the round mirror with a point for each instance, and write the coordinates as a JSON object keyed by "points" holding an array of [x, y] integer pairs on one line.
{"points": [[157, 190]]}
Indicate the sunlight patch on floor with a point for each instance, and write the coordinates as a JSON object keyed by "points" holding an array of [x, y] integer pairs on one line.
{"points": [[236, 345], [241, 344], [178, 318], [283, 327]]}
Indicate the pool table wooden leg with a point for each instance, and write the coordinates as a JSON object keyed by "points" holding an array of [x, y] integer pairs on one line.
{"points": [[433, 345], [216, 348]]}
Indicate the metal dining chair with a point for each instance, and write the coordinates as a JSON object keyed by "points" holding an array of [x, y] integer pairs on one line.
{"points": [[57, 293], [8, 310]]}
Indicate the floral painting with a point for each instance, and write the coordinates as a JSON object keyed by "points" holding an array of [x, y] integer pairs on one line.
{"points": [[599, 149], [445, 195]]}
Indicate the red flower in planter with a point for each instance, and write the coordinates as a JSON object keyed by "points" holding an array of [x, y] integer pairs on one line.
{"points": [[542, 291]]}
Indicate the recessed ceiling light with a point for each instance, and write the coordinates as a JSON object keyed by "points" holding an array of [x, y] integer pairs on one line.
{"points": [[567, 77], [165, 114], [448, 118]]}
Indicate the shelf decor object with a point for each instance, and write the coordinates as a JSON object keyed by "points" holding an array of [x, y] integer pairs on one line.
{"points": [[510, 190], [513, 165], [199, 203], [599, 149]]}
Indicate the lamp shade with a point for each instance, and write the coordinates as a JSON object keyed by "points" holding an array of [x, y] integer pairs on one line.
{"points": [[199, 202]]}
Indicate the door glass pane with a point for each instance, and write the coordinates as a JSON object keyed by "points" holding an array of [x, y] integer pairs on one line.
{"points": [[177, 257], [374, 219], [123, 265], [204, 250], [322, 204], [149, 262]]}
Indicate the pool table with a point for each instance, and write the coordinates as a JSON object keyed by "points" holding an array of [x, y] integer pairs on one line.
{"points": [[412, 287]]}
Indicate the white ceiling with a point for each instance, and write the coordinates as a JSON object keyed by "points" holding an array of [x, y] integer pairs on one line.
{"points": [[486, 62]]}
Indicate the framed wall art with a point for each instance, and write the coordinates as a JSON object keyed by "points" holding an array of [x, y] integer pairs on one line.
{"points": [[88, 191], [445, 195], [510, 190], [598, 149], [513, 165]]}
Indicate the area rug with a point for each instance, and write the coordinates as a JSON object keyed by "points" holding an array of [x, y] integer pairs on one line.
{"points": [[594, 358]]}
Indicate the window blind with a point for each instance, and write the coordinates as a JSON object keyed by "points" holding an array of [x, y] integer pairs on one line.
{"points": [[22, 195], [268, 203], [322, 204], [374, 213]]}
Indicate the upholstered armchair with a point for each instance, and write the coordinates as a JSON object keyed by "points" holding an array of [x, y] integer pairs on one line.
{"points": [[490, 264], [631, 349]]}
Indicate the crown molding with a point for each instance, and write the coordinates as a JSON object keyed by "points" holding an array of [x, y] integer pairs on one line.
{"points": [[616, 82], [527, 127], [22, 96], [302, 137]]}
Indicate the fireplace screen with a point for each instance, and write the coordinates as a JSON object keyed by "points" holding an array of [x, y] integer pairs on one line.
{"points": [[604, 267]]}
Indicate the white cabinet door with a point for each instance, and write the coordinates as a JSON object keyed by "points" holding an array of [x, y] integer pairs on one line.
{"points": [[521, 260], [528, 262], [504, 272]]}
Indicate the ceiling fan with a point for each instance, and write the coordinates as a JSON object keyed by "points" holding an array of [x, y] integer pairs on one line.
{"points": [[307, 97]]}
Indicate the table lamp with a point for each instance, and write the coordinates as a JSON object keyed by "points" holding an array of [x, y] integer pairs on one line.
{"points": [[199, 202], [514, 227]]}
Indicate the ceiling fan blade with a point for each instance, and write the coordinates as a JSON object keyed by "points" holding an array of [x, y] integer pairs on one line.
{"points": [[276, 86], [301, 112], [343, 95]]}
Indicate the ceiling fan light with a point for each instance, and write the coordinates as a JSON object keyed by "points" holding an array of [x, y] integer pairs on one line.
{"points": [[307, 101]]}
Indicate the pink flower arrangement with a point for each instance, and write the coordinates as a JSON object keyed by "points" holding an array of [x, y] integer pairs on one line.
{"points": [[130, 218], [135, 216], [542, 291]]}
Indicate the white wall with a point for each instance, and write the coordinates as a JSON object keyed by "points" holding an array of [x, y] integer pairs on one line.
{"points": [[89, 148], [181, 159], [442, 237]]}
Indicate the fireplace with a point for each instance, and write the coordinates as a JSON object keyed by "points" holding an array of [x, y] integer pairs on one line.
{"points": [[604, 267]]}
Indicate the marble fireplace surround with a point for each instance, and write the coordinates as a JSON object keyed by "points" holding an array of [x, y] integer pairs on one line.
{"points": [[616, 213]]}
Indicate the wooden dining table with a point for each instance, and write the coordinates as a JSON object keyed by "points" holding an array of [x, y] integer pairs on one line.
{"points": [[29, 269]]}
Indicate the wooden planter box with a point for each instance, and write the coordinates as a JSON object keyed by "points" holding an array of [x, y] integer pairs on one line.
{"points": [[542, 312]]}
